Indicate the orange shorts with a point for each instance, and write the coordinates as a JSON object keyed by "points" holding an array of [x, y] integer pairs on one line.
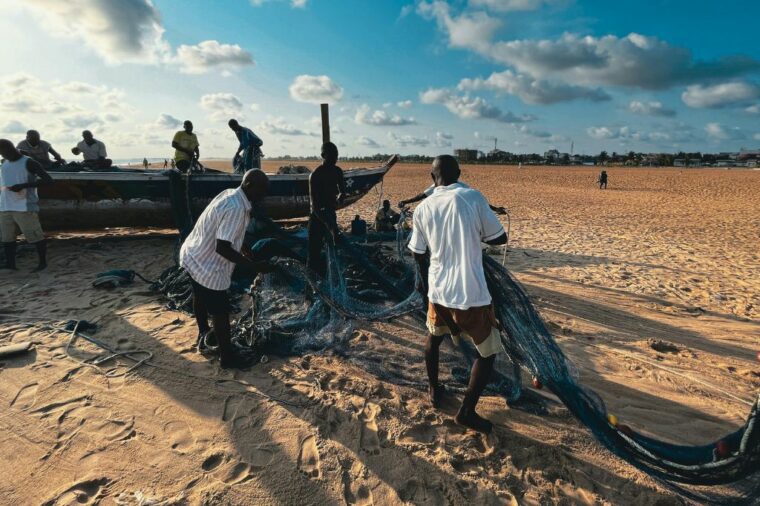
{"points": [[479, 324]]}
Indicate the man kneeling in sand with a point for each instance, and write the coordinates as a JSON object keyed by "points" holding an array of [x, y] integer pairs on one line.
{"points": [[451, 224], [209, 255]]}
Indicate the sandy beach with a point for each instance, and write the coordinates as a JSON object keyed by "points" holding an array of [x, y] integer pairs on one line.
{"points": [[651, 287]]}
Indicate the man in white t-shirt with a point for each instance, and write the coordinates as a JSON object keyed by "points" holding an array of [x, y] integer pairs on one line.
{"points": [[39, 151], [93, 151], [451, 224]]}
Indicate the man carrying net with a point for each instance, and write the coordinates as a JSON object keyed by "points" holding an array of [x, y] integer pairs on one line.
{"points": [[451, 224]]}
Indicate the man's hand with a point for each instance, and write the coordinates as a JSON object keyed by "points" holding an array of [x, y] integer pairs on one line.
{"points": [[245, 250], [499, 210], [402, 204], [17, 187], [75, 151]]}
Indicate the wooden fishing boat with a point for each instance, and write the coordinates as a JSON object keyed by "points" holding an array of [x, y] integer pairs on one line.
{"points": [[124, 198]]}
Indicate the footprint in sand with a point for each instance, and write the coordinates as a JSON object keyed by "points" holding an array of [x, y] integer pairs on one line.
{"points": [[226, 469], [25, 397], [308, 457], [231, 406], [355, 492], [420, 434], [114, 429], [180, 436], [84, 492], [369, 440]]}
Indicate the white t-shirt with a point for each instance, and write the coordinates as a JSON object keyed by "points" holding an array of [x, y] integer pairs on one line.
{"points": [[97, 150], [13, 173], [429, 190], [451, 223], [226, 218]]}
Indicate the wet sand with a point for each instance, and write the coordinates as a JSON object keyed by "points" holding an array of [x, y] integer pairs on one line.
{"points": [[650, 287]]}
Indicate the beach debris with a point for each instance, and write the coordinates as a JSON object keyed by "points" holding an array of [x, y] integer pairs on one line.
{"points": [[293, 169], [15, 349], [612, 419], [537, 383]]}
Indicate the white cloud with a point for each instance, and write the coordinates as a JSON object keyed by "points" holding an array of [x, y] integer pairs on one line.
{"points": [[720, 95], [467, 107], [296, 4], [20, 80], [365, 116], [405, 104], [255, 107], [722, 132], [538, 134], [167, 121], [210, 55], [222, 105], [13, 127], [118, 31], [533, 91], [83, 88], [653, 108], [443, 139], [315, 89], [511, 5], [468, 30], [753, 109], [366, 141], [81, 120], [756, 136], [279, 126], [404, 141]]}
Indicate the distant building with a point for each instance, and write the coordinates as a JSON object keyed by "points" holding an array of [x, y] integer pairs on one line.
{"points": [[466, 155], [551, 156], [680, 162], [746, 155]]}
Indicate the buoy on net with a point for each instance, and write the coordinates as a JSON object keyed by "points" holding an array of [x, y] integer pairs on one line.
{"points": [[722, 450], [612, 419], [537, 383]]}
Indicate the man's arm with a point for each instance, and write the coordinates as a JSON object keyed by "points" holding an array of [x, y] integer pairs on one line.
{"points": [[416, 198], [502, 239], [498, 210], [196, 152], [55, 154], [225, 250], [43, 178], [176, 145], [341, 185]]}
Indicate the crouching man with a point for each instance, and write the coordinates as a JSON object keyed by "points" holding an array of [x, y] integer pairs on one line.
{"points": [[210, 253], [451, 223]]}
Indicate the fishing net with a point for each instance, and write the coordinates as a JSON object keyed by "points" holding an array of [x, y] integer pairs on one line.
{"points": [[291, 312]]}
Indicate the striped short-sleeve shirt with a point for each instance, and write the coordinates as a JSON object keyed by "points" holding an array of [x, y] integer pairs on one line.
{"points": [[225, 218]]}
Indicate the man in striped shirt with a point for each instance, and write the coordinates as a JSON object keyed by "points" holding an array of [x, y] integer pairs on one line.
{"points": [[210, 253]]}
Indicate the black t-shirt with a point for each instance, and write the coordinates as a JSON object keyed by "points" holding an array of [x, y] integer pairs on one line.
{"points": [[325, 183]]}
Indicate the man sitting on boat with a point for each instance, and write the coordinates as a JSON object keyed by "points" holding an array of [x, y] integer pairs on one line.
{"points": [[386, 218], [19, 178], [451, 224], [39, 151], [186, 145], [93, 151], [326, 190], [209, 255], [250, 146]]}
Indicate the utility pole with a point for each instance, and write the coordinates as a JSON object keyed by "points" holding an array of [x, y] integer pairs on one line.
{"points": [[325, 108], [495, 140]]}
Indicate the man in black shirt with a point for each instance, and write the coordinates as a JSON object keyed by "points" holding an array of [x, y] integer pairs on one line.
{"points": [[326, 190]]}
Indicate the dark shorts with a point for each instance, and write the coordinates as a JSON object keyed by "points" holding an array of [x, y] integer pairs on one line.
{"points": [[217, 302], [183, 165]]}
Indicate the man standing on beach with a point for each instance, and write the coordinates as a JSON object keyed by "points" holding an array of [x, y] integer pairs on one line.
{"points": [[39, 150], [250, 146], [93, 151], [451, 224], [186, 146], [326, 190], [19, 178], [210, 253], [429, 191]]}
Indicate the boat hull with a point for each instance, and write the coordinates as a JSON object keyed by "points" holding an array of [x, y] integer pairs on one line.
{"points": [[95, 200]]}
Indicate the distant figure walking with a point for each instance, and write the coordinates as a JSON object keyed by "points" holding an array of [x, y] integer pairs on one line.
{"points": [[326, 190], [20, 176], [93, 151], [145, 163], [174, 164], [250, 146], [603, 180], [186, 146], [166, 163], [39, 151]]}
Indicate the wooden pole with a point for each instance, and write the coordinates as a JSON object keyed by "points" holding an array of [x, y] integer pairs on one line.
{"points": [[325, 122]]}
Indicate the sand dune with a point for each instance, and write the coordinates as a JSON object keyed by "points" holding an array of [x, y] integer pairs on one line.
{"points": [[650, 287]]}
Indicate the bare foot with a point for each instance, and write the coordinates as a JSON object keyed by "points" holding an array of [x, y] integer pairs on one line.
{"points": [[474, 421], [436, 395]]}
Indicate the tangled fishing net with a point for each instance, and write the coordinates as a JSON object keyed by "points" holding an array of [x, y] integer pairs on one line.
{"points": [[292, 312]]}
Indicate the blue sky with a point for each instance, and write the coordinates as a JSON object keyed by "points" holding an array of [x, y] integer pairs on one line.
{"points": [[409, 77]]}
